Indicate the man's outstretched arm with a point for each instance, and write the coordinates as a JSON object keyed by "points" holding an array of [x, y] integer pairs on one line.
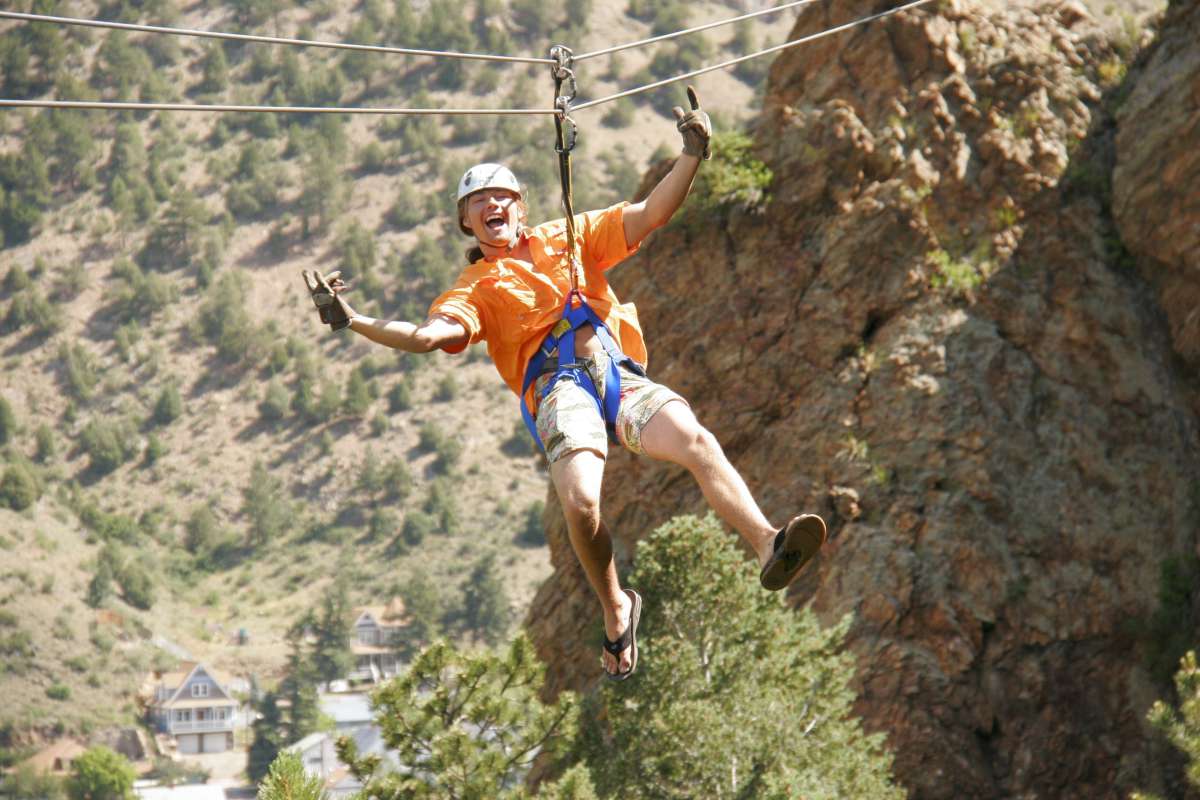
{"points": [[437, 331], [668, 195]]}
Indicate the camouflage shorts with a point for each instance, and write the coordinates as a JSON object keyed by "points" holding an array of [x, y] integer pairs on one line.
{"points": [[568, 420]]}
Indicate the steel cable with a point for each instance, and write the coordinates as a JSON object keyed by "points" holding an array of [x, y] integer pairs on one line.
{"points": [[697, 29], [118, 106], [731, 62], [246, 37]]}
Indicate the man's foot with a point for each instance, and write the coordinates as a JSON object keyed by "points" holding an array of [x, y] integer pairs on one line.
{"points": [[794, 546], [620, 651]]}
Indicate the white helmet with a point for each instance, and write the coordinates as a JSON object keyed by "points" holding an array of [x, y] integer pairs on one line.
{"points": [[487, 176]]}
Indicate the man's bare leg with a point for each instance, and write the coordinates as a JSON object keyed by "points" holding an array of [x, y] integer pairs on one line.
{"points": [[577, 477], [674, 434]]}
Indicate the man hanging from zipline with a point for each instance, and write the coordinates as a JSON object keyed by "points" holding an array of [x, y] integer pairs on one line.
{"points": [[576, 358]]}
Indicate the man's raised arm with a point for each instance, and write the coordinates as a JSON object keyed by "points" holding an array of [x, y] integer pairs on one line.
{"points": [[668, 195]]}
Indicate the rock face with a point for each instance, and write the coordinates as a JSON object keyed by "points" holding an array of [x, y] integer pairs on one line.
{"points": [[931, 335], [1156, 185]]}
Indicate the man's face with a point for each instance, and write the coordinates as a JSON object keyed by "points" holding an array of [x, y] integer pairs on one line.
{"points": [[494, 216]]}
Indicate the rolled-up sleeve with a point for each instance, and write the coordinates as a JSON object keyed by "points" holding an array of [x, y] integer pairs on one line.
{"points": [[604, 237], [461, 304]]}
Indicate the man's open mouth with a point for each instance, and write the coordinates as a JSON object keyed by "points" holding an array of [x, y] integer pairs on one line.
{"points": [[494, 221]]}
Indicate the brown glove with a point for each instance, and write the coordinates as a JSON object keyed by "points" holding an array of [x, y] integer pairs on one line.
{"points": [[324, 291], [695, 126]]}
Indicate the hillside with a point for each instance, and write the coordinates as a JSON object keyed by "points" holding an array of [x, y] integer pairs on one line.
{"points": [[959, 322], [177, 418]]}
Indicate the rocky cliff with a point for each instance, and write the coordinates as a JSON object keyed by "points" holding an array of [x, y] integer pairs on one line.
{"points": [[964, 329]]}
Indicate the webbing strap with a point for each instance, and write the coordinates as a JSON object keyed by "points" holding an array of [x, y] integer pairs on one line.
{"points": [[562, 338], [566, 132]]}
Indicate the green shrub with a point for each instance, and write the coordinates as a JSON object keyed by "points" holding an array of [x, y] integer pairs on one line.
{"points": [[735, 177], [20, 486], [447, 388], [384, 523], [275, 403], [201, 531], [532, 532], [8, 422], [399, 397], [45, 444], [136, 587], [169, 405], [620, 114], [358, 395], [32, 310], [58, 691], [80, 370], [417, 525], [108, 444]]}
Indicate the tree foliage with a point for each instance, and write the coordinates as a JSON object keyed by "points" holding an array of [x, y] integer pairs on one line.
{"points": [[1181, 726], [737, 696], [470, 725], [289, 780], [101, 774]]}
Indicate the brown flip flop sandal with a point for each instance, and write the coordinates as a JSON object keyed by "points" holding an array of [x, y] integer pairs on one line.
{"points": [[626, 640], [795, 546]]}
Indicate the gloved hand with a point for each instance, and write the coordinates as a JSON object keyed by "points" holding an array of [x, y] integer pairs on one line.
{"points": [[695, 126], [331, 307]]}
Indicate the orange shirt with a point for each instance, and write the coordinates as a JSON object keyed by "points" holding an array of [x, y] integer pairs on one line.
{"points": [[512, 306]]}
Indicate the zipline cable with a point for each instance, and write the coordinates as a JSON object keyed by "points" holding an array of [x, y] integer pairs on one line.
{"points": [[114, 106], [731, 62], [697, 29], [245, 37]]}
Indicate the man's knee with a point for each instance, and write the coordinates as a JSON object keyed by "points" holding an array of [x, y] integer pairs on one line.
{"points": [[582, 513], [699, 445]]}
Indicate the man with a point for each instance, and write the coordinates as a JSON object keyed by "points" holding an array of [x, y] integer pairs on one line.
{"points": [[512, 296]]}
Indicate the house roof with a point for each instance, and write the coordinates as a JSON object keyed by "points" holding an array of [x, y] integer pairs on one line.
{"points": [[394, 613], [175, 680], [65, 749], [311, 740]]}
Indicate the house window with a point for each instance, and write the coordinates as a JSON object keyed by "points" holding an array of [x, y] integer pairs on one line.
{"points": [[199, 690], [183, 716]]}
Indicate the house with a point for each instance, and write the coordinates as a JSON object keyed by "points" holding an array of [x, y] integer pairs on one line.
{"points": [[318, 753], [194, 706], [54, 759], [378, 631]]}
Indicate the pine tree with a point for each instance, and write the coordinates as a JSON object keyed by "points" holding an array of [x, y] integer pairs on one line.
{"points": [[331, 656], [289, 780], [263, 501], [736, 696], [267, 737], [486, 607], [1181, 726], [471, 725]]}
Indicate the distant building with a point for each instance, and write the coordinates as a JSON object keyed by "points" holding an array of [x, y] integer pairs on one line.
{"points": [[378, 631], [194, 706], [55, 759], [318, 753], [149, 790]]}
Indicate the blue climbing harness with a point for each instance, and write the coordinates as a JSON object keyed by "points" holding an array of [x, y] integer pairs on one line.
{"points": [[562, 337]]}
